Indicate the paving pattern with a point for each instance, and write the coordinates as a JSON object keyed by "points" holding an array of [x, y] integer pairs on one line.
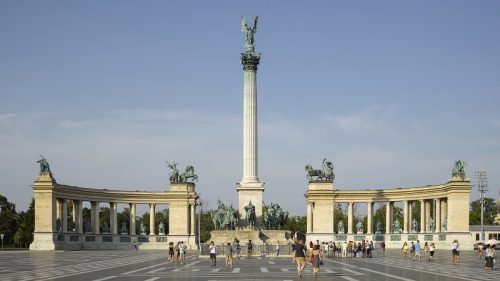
{"points": [[152, 265]]}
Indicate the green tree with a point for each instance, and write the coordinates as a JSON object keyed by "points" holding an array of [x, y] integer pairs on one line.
{"points": [[206, 225], [489, 213], [8, 220], [104, 217], [24, 233], [297, 225]]}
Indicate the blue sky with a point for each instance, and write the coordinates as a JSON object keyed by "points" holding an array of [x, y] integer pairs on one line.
{"points": [[392, 92]]}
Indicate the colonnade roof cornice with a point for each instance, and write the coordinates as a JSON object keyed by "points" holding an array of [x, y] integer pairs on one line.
{"points": [[392, 194], [122, 196]]}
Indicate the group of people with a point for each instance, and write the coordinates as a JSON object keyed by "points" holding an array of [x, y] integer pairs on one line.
{"points": [[229, 252], [489, 255], [177, 252], [416, 250]]}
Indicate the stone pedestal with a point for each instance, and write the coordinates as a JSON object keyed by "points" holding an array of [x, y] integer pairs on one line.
{"points": [[270, 237], [250, 192]]}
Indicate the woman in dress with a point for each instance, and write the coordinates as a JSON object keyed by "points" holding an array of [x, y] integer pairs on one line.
{"points": [[171, 252], [405, 249], [317, 259], [426, 250]]}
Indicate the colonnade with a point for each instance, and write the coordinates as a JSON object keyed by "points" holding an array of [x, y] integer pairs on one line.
{"points": [[51, 215], [444, 210]]}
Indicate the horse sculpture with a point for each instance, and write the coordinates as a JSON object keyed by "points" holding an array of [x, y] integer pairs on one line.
{"points": [[188, 174], [325, 174]]}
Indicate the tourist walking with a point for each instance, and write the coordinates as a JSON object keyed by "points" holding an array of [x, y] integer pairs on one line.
{"points": [[426, 250], [489, 257], [237, 248], [417, 251], [182, 253], [171, 252], [382, 245], [300, 257], [228, 252], [455, 251], [432, 248], [412, 250], [278, 249], [135, 247], [344, 249], [317, 259], [404, 249], [213, 254], [249, 248]]}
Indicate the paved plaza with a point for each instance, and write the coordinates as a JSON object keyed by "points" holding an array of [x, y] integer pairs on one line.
{"points": [[152, 265]]}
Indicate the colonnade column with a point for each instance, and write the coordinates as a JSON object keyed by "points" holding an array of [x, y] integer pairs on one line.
{"points": [[64, 215], [405, 216], [79, 216], [438, 215], [350, 211], [132, 218], [410, 215], [444, 213], [74, 212], [427, 215], [309, 217], [113, 217], [369, 222], [388, 218], [58, 210], [94, 216], [193, 216], [422, 216], [152, 219]]}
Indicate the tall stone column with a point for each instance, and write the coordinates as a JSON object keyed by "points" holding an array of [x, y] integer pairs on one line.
{"points": [[64, 220], [388, 218], [250, 189], [59, 209], [193, 216], [74, 213], [309, 217], [438, 215], [369, 226], [350, 211], [405, 216], [410, 215], [152, 219], [444, 213], [94, 217], [113, 217], [422, 216], [132, 218]]}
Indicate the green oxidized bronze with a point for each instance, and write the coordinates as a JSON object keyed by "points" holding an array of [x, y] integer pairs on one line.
{"points": [[183, 177]]}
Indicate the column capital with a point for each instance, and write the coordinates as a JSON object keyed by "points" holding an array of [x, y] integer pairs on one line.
{"points": [[250, 61]]}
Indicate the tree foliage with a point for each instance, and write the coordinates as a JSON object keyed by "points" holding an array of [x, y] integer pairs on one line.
{"points": [[489, 213]]}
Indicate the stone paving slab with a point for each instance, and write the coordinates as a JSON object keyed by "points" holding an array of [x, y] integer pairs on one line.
{"points": [[152, 265]]}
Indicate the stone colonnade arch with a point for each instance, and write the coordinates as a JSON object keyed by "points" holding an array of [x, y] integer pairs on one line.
{"points": [[51, 217], [444, 215]]}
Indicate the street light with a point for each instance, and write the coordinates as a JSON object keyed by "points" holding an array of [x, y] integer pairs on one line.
{"points": [[482, 187], [198, 204]]}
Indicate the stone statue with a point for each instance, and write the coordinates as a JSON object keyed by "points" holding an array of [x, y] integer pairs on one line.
{"points": [[58, 225], [273, 216], [378, 228], [250, 214], [188, 174], [161, 229], [143, 229], [225, 218], [124, 228], [174, 173], [414, 225], [432, 225], [44, 166], [340, 227], [325, 174], [87, 228], [396, 226], [458, 168], [105, 228], [444, 225], [359, 227], [249, 32]]}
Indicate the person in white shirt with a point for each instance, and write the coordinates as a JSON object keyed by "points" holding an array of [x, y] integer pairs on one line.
{"points": [[182, 253], [344, 249], [213, 254]]}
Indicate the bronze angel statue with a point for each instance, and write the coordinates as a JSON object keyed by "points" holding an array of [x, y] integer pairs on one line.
{"points": [[249, 31]]}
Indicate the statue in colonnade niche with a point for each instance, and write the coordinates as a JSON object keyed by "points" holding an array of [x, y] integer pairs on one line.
{"points": [[432, 225], [378, 227], [124, 228], [143, 229], [396, 226], [444, 225], [414, 225], [105, 228], [359, 227], [87, 228], [340, 227], [161, 229]]}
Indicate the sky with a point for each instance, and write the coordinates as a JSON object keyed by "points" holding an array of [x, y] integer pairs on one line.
{"points": [[392, 92]]}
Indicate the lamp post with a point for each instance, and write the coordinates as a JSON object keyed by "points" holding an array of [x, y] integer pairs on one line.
{"points": [[482, 187], [198, 204]]}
